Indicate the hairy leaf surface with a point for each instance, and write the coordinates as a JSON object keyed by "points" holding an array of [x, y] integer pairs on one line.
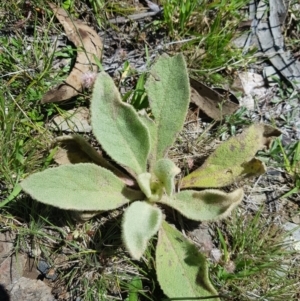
{"points": [[140, 222], [144, 181], [77, 150], [233, 159], [168, 91], [82, 186], [182, 271], [117, 126], [166, 170], [206, 205]]}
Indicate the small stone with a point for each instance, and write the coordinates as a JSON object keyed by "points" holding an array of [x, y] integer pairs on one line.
{"points": [[253, 87], [60, 259], [11, 270], [46, 270], [76, 120], [36, 251], [296, 219], [51, 275], [43, 267], [230, 266], [203, 238], [216, 255], [294, 238], [260, 198], [29, 289]]}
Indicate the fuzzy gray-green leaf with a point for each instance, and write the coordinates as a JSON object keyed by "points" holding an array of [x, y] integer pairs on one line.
{"points": [[140, 222], [166, 170], [168, 91], [144, 181], [182, 271], [205, 205], [79, 187], [118, 128]]}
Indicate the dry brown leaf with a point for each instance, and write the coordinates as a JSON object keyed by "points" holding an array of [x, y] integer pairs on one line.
{"points": [[211, 102], [89, 46], [70, 153]]}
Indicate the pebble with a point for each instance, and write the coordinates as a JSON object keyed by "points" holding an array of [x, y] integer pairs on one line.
{"points": [[294, 237], [46, 270], [75, 120], [31, 290]]}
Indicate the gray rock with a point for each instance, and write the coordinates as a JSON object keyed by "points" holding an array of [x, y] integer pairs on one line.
{"points": [[6, 245], [294, 235], [203, 237], [46, 270], [11, 269], [43, 267], [75, 120], [31, 290]]}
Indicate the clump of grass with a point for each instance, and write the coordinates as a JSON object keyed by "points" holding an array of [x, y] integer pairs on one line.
{"points": [[177, 15], [22, 132], [258, 262], [285, 156], [207, 30], [26, 74]]}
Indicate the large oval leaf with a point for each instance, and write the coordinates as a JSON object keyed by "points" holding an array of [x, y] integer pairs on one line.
{"points": [[117, 126], [80, 187], [140, 222], [234, 159], [181, 270], [205, 205], [168, 91]]}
